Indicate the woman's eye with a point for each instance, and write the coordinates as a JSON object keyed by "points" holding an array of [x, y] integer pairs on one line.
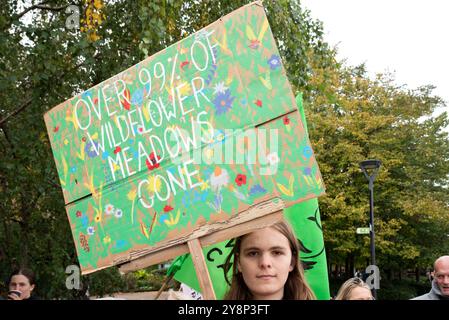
{"points": [[252, 253], [277, 253]]}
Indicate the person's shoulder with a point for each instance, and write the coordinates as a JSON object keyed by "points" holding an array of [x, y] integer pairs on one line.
{"points": [[426, 296], [33, 297]]}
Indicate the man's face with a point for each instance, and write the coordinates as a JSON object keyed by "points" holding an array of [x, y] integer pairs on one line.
{"points": [[441, 275]]}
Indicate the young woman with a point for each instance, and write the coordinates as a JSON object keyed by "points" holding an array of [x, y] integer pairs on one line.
{"points": [[265, 266], [21, 285], [354, 289]]}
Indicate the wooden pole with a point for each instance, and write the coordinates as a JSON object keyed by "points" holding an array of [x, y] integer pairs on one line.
{"points": [[196, 251]]}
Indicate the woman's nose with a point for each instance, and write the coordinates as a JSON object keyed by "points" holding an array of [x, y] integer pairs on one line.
{"points": [[265, 261]]}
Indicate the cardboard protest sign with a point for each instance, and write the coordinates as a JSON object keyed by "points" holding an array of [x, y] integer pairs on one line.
{"points": [[191, 136]]}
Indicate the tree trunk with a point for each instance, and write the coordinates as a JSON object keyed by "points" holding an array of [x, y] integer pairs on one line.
{"points": [[417, 274]]}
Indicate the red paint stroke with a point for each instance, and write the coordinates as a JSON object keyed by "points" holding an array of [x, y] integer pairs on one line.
{"points": [[184, 63], [55, 129], [117, 150], [125, 102], [258, 102], [168, 208], [152, 224]]}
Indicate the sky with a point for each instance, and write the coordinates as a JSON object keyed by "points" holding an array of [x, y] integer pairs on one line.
{"points": [[407, 37]]}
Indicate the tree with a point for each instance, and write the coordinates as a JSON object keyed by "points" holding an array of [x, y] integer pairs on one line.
{"points": [[44, 63], [353, 118]]}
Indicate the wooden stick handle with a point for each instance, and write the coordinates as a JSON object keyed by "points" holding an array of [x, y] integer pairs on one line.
{"points": [[202, 272]]}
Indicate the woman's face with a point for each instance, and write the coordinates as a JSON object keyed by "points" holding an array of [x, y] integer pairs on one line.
{"points": [[21, 283], [265, 260], [360, 293]]}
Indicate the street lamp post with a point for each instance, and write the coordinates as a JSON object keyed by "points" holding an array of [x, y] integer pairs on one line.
{"points": [[370, 169]]}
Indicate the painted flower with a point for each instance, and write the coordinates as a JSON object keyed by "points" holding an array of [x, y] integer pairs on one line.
{"points": [[223, 102], [152, 163], [91, 149], [218, 179], [109, 209], [273, 158], [274, 62], [220, 88], [240, 179], [137, 97], [307, 171], [73, 169], [257, 189], [254, 44], [162, 218], [90, 231], [106, 239], [307, 152], [258, 103], [168, 208], [79, 214], [118, 213], [286, 120]]}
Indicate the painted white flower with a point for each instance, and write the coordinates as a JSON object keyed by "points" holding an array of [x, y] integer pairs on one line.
{"points": [[118, 213], [220, 88], [273, 158], [218, 179], [109, 209], [90, 231]]}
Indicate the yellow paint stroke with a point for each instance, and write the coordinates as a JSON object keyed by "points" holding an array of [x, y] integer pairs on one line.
{"points": [[172, 221], [224, 44], [263, 30], [284, 190], [71, 119], [152, 187], [143, 229], [65, 169], [250, 33], [266, 81], [132, 197]]}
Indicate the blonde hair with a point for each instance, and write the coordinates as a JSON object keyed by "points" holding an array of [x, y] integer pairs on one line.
{"points": [[346, 289], [296, 286]]}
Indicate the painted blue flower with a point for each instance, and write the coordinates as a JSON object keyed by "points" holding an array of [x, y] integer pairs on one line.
{"points": [[90, 231], [120, 244], [73, 169], [105, 155], [274, 62], [308, 171], [162, 218], [223, 102], [257, 189], [307, 152], [84, 221], [91, 148], [137, 97]]}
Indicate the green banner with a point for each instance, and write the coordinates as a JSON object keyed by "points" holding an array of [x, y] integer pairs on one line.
{"points": [[304, 217]]}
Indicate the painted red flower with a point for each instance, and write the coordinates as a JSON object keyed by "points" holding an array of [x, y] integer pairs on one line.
{"points": [[117, 150], [56, 129], [152, 163], [240, 180], [168, 208], [258, 102], [286, 120], [79, 214], [84, 139], [184, 63]]}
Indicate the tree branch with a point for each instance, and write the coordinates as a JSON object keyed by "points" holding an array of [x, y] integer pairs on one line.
{"points": [[41, 6], [19, 109]]}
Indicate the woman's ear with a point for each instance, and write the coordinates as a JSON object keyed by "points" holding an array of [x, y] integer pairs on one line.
{"points": [[32, 287]]}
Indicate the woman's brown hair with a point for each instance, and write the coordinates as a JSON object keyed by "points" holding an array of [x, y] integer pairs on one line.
{"points": [[296, 286]]}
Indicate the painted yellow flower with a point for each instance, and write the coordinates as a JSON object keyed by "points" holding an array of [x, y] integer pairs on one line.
{"points": [[153, 184], [106, 239]]}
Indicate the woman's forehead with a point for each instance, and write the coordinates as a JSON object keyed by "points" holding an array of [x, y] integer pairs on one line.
{"points": [[265, 238], [19, 278]]}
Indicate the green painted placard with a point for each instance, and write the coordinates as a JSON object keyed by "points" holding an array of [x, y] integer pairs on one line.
{"points": [[192, 135]]}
